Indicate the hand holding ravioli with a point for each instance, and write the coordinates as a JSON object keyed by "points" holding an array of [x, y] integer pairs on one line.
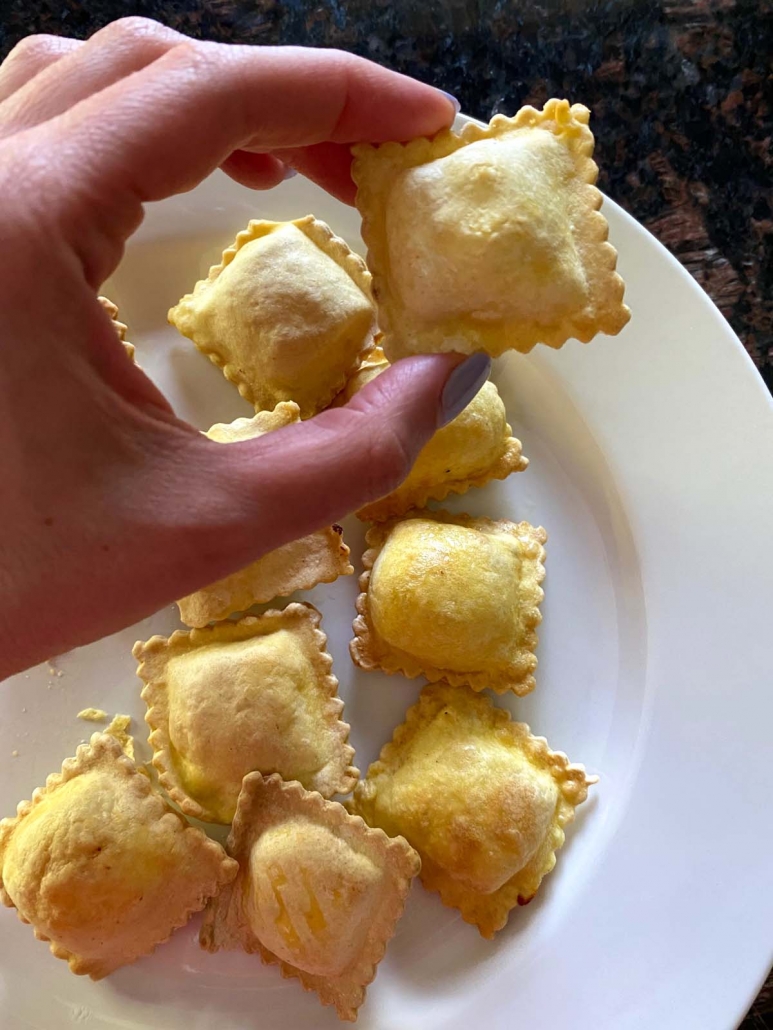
{"points": [[101, 481]]}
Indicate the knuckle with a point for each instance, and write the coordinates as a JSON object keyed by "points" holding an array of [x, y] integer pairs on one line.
{"points": [[191, 51], [345, 58], [199, 57], [133, 28], [35, 50], [339, 56], [136, 35], [197, 62]]}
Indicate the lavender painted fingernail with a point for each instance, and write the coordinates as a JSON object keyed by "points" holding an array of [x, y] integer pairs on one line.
{"points": [[290, 173], [453, 100], [462, 385]]}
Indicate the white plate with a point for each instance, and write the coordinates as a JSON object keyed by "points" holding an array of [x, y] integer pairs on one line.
{"points": [[652, 470]]}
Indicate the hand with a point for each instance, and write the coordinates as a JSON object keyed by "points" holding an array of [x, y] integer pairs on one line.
{"points": [[110, 506]]}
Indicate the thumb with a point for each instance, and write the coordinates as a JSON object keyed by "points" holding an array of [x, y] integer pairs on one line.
{"points": [[177, 511], [290, 482]]}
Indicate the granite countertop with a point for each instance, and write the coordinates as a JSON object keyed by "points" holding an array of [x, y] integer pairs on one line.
{"points": [[681, 92]]}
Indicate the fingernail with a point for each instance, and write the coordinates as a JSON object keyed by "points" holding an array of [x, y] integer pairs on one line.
{"points": [[290, 173], [453, 100], [462, 385]]}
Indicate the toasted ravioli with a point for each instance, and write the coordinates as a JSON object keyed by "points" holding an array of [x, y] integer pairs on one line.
{"points": [[482, 800], [490, 239], [258, 694], [285, 314], [318, 892], [451, 597], [101, 866]]}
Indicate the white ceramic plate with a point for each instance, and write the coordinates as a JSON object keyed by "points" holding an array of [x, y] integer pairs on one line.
{"points": [[652, 470]]}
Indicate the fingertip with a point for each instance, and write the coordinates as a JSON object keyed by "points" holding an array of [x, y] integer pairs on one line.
{"points": [[456, 104], [385, 105], [412, 388], [387, 423], [462, 385], [443, 113], [329, 165], [257, 171]]}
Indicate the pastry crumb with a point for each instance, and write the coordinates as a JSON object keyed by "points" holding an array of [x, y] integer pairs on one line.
{"points": [[14, 753], [93, 715], [119, 728]]}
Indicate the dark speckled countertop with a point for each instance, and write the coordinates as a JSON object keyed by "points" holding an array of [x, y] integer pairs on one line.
{"points": [[681, 93]]}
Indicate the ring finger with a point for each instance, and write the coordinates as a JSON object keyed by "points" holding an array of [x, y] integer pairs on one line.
{"points": [[118, 50], [29, 57]]}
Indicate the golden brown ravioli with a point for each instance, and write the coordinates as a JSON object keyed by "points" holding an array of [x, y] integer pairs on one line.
{"points": [[285, 314], [258, 694], [286, 413], [451, 597], [482, 800], [320, 557], [476, 447], [318, 892], [100, 866], [490, 239]]}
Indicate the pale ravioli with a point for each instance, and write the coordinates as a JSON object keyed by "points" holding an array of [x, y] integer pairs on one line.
{"points": [[452, 597], [100, 866], [258, 694], [476, 447], [482, 800], [320, 557], [121, 329], [491, 239], [318, 892], [285, 315]]}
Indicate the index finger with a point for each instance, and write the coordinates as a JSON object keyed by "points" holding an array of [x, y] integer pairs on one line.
{"points": [[163, 129]]}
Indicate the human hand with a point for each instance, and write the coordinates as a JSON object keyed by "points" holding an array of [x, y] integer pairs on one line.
{"points": [[110, 506]]}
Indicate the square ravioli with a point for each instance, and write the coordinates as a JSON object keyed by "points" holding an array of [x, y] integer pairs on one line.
{"points": [[476, 447], [452, 597], [101, 866], [318, 892], [491, 239], [227, 700], [284, 315], [320, 557], [482, 800]]}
